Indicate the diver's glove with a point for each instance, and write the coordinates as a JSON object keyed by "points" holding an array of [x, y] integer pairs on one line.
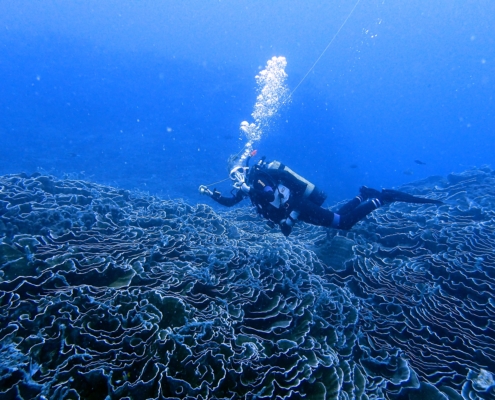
{"points": [[216, 194], [245, 188], [285, 227], [287, 224], [204, 190]]}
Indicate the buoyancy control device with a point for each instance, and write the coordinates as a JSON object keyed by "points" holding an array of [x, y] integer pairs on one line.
{"points": [[297, 184]]}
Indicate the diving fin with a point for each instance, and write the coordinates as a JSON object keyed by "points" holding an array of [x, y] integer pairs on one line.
{"points": [[389, 195], [369, 193]]}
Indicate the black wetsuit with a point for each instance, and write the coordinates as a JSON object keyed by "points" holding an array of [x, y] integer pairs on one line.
{"points": [[264, 187]]}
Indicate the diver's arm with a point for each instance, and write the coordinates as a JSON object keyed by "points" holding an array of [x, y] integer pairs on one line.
{"points": [[227, 201], [264, 195], [267, 195]]}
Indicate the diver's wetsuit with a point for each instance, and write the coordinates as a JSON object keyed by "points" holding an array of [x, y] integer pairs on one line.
{"points": [[265, 188], [345, 218]]}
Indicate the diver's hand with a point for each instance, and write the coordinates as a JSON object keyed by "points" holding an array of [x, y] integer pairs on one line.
{"points": [[216, 194], [204, 190], [245, 188], [285, 227]]}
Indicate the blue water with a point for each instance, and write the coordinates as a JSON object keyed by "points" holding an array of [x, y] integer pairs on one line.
{"points": [[149, 95]]}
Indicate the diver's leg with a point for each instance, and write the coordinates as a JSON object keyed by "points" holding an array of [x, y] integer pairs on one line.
{"points": [[348, 220], [351, 205], [374, 199], [389, 196], [365, 193], [315, 215], [355, 210]]}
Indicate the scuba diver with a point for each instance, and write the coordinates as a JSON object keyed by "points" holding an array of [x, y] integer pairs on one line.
{"points": [[283, 197]]}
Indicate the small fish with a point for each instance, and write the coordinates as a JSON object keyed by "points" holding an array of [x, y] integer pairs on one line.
{"points": [[408, 172], [419, 162], [353, 166]]}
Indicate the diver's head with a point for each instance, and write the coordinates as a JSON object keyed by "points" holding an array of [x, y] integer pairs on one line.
{"points": [[239, 175]]}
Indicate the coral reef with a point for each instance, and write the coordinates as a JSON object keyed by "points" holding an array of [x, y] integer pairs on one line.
{"points": [[107, 293]]}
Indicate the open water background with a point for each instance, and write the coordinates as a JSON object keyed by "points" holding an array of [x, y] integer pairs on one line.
{"points": [[149, 95]]}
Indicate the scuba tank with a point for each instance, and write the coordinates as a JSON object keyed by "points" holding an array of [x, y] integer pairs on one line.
{"points": [[296, 183]]}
